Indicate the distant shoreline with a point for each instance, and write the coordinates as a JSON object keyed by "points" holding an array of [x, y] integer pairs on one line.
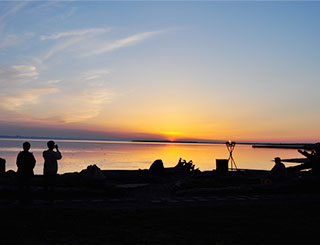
{"points": [[120, 141], [109, 140], [179, 141], [114, 140], [215, 142]]}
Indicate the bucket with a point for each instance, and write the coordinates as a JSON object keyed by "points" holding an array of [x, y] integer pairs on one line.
{"points": [[222, 166]]}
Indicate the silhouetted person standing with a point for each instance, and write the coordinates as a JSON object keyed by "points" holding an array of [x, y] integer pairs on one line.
{"points": [[25, 164], [50, 168]]}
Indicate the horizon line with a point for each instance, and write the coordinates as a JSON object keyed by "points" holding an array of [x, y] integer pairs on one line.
{"points": [[148, 140]]}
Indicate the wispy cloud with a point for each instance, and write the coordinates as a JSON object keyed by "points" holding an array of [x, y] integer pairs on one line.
{"points": [[69, 39], [13, 9], [56, 81], [10, 11], [21, 71], [13, 75], [83, 105], [42, 104], [125, 42], [18, 71], [60, 47], [94, 74], [87, 43], [20, 100], [68, 14], [14, 39], [55, 100], [85, 32]]}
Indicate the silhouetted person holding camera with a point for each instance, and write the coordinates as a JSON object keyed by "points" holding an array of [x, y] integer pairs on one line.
{"points": [[50, 168], [25, 163]]}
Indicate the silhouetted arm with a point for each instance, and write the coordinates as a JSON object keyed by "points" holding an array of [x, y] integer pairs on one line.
{"points": [[58, 155]]}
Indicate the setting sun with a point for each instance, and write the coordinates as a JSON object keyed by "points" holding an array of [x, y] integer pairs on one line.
{"points": [[172, 136]]}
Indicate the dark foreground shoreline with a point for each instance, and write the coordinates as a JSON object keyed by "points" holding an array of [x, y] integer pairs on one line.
{"points": [[249, 224], [134, 207]]}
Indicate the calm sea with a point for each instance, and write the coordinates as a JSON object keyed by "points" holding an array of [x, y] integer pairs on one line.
{"points": [[78, 154]]}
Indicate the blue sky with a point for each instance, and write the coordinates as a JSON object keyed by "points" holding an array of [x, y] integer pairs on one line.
{"points": [[204, 70]]}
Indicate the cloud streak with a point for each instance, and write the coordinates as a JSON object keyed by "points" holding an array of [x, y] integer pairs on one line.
{"points": [[94, 74], [12, 76], [42, 104], [22, 71], [83, 105], [121, 43], [20, 100], [70, 39], [11, 11], [74, 33], [14, 39], [60, 47]]}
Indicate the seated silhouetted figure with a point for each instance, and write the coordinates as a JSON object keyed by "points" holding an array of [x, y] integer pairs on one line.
{"points": [[157, 166], [50, 168], [25, 164], [279, 172]]}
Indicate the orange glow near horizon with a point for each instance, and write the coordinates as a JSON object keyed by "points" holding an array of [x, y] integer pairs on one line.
{"points": [[175, 119], [172, 136], [165, 127], [188, 131]]}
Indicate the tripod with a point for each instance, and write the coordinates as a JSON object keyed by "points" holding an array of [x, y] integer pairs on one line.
{"points": [[230, 146]]}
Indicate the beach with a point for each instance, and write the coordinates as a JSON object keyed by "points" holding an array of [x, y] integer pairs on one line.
{"points": [[137, 207], [240, 224]]}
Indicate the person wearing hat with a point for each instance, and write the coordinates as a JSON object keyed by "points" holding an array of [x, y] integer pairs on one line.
{"points": [[279, 171]]}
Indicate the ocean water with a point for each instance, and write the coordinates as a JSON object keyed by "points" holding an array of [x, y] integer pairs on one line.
{"points": [[78, 154]]}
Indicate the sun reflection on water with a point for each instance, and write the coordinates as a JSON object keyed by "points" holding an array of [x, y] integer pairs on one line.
{"points": [[77, 155]]}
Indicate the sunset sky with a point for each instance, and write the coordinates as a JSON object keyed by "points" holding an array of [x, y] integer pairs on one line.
{"points": [[246, 71]]}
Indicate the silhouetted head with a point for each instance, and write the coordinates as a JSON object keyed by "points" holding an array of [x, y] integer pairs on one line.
{"points": [[51, 144], [277, 160], [26, 146]]}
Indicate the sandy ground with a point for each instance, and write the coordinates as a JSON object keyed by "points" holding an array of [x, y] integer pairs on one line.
{"points": [[230, 224], [161, 210]]}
